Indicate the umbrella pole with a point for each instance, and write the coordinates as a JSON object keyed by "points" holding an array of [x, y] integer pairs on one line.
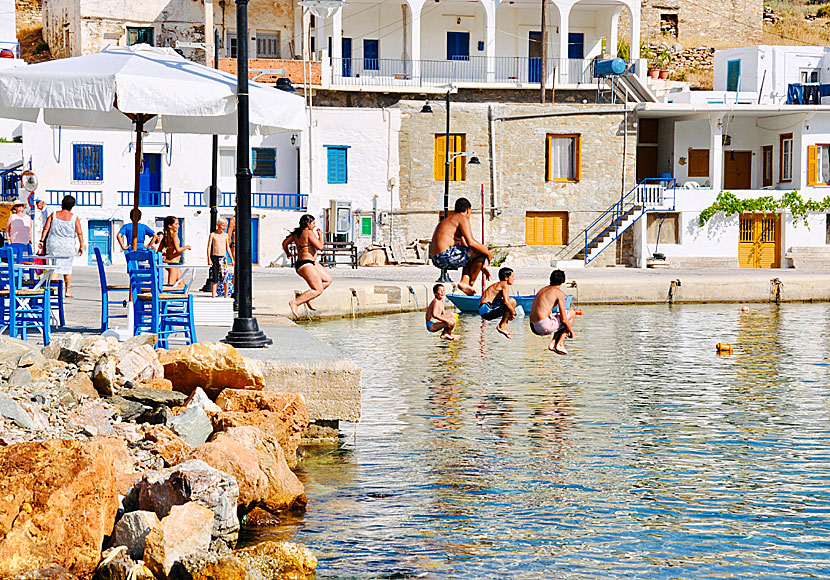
{"points": [[245, 332], [139, 135]]}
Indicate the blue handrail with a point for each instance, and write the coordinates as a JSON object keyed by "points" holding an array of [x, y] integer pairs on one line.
{"points": [[651, 194], [82, 197], [290, 201], [145, 198], [199, 199]]}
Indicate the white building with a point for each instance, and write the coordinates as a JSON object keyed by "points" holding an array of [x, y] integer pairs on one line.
{"points": [[354, 162]]}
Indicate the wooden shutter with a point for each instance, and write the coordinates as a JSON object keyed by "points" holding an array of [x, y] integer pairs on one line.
{"points": [[812, 164], [546, 228], [439, 158], [698, 163], [457, 169]]}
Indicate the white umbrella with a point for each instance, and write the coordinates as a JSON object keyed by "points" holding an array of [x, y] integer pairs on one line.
{"points": [[144, 88]]}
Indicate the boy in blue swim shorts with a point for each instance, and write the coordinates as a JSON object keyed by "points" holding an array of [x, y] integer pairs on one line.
{"points": [[496, 302], [437, 318]]}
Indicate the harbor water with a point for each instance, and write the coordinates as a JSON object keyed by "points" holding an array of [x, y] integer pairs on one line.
{"points": [[643, 454]]}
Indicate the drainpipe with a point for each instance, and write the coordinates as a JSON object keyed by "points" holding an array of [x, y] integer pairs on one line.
{"points": [[493, 167]]}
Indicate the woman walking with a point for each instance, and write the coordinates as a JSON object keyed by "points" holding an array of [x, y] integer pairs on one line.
{"points": [[309, 241], [60, 231], [171, 250]]}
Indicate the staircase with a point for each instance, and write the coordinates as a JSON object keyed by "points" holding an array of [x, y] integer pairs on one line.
{"points": [[647, 196]]}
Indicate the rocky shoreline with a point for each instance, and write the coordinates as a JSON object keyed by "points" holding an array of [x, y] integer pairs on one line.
{"points": [[120, 461]]}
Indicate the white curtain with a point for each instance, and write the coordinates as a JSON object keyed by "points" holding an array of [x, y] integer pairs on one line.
{"points": [[562, 157], [824, 164], [227, 163]]}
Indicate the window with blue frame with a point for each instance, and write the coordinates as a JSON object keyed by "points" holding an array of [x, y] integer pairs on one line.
{"points": [[264, 162], [371, 52], [458, 46], [338, 171], [733, 75], [87, 162]]}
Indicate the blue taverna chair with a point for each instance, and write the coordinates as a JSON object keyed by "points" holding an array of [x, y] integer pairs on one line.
{"points": [[106, 289], [156, 311], [23, 308]]}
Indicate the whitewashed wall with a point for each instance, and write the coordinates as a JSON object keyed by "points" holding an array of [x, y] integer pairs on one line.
{"points": [[7, 23]]}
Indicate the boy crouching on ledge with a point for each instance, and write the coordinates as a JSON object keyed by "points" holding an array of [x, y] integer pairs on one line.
{"points": [[439, 319]]}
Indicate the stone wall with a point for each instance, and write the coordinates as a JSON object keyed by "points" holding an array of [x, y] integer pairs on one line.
{"points": [[520, 166], [368, 98]]}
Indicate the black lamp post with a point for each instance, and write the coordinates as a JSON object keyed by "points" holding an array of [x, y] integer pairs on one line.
{"points": [[213, 195], [245, 332]]}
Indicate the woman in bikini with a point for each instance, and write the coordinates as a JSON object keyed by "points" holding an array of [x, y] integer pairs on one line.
{"points": [[309, 241], [171, 250]]}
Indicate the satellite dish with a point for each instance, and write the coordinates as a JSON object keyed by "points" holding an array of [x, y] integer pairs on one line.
{"points": [[28, 180]]}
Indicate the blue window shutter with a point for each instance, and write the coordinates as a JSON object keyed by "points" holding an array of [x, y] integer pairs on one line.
{"points": [[337, 165], [87, 162], [733, 75]]}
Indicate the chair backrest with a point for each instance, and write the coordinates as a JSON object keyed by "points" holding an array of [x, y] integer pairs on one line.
{"points": [[102, 274], [7, 269], [142, 271]]}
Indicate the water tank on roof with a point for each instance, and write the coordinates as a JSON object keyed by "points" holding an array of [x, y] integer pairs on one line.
{"points": [[613, 66]]}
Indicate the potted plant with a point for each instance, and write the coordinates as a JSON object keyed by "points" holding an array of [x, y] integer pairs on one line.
{"points": [[648, 55], [664, 58]]}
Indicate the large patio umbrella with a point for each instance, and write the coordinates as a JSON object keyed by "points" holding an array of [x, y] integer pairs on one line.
{"points": [[142, 88]]}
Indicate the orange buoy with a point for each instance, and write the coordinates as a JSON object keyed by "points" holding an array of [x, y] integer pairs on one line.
{"points": [[745, 309], [724, 348], [578, 312]]}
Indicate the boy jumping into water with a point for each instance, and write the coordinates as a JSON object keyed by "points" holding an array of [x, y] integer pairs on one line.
{"points": [[544, 322], [496, 301], [453, 246], [437, 318]]}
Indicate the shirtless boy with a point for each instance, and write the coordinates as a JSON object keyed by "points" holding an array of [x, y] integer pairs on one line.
{"points": [[544, 322], [437, 318], [496, 301], [453, 246], [218, 245]]}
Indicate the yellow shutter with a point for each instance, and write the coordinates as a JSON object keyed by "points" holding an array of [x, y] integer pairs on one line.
{"points": [[812, 165], [548, 145], [578, 168], [546, 228], [530, 229], [440, 158], [457, 169]]}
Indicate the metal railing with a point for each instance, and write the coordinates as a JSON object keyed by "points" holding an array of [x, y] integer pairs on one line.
{"points": [[505, 70], [10, 184], [291, 201], [145, 198], [199, 199], [12, 46], [82, 197], [651, 194]]}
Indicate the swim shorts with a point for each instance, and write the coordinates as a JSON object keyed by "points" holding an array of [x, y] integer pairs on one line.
{"points": [[215, 269], [429, 326], [547, 326], [492, 310], [452, 258]]}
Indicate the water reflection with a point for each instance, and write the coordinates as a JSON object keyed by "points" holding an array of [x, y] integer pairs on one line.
{"points": [[641, 455]]}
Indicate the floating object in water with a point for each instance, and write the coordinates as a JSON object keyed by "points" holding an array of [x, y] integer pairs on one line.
{"points": [[745, 309], [578, 312], [724, 348], [520, 312], [456, 316]]}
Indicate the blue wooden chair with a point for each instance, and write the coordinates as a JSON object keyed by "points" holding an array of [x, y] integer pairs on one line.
{"points": [[156, 311], [106, 289], [23, 308]]}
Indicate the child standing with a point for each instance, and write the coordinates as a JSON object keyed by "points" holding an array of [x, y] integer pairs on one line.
{"points": [[496, 301], [437, 318], [544, 322], [218, 247]]}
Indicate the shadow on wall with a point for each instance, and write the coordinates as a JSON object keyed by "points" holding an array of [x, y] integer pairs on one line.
{"points": [[714, 229]]}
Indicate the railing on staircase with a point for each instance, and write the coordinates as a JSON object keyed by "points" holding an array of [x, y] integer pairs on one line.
{"points": [[651, 194]]}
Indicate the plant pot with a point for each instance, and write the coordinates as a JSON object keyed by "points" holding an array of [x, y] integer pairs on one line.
{"points": [[664, 74], [653, 73]]}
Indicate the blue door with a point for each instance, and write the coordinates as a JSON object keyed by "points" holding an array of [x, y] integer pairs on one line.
{"points": [[458, 46], [255, 240], [347, 57], [371, 50], [100, 236], [534, 53], [149, 184], [576, 45], [733, 75]]}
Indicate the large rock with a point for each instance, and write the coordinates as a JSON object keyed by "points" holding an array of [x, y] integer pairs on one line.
{"points": [[129, 410], [117, 565], [57, 502], [186, 531], [11, 410], [12, 349], [260, 518], [82, 386], [153, 397], [92, 417], [212, 366], [48, 572], [140, 364], [198, 398], [131, 531], [136, 341], [97, 346], [192, 425], [281, 415], [68, 348], [104, 375], [196, 481], [277, 560], [235, 458], [122, 461], [157, 383], [209, 566], [167, 444]]}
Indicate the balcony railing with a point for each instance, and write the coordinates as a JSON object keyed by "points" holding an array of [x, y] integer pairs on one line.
{"points": [[199, 199], [82, 197], [513, 70], [292, 201], [146, 198]]}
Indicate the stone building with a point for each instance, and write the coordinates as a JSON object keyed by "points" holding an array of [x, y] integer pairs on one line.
{"points": [[537, 202]]}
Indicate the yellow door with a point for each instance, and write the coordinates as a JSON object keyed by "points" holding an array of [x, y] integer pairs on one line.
{"points": [[759, 241]]}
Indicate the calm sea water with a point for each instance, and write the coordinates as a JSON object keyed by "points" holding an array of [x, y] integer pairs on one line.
{"points": [[641, 455]]}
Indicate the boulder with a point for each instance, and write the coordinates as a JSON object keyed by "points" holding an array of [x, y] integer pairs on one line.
{"points": [[93, 417], [68, 348], [104, 375], [209, 566], [283, 416], [233, 457], [82, 386], [20, 377], [11, 410], [140, 364], [129, 410], [156, 415], [117, 565], [192, 425], [48, 572], [276, 560], [131, 531], [12, 349], [186, 531], [195, 481], [157, 383], [97, 346], [58, 501], [212, 366], [200, 400], [122, 461], [136, 341], [167, 444], [258, 518], [153, 397]]}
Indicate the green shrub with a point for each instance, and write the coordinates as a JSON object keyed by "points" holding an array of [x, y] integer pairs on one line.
{"points": [[624, 49], [18, 139]]}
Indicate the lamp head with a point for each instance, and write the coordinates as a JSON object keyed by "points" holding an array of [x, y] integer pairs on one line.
{"points": [[284, 84], [426, 108], [474, 160]]}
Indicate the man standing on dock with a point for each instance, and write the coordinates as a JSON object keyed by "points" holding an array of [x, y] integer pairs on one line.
{"points": [[453, 246]]}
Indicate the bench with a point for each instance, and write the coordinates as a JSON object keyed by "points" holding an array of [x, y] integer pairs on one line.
{"points": [[330, 253]]}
